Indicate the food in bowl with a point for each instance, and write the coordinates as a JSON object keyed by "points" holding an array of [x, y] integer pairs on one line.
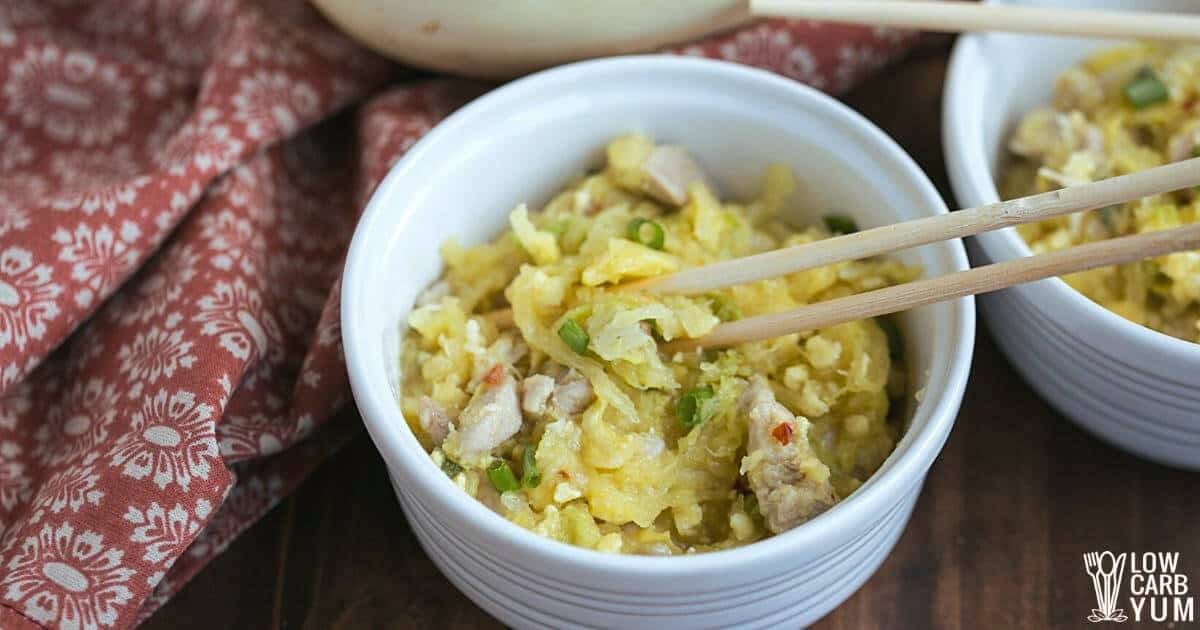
{"points": [[538, 385], [1119, 111]]}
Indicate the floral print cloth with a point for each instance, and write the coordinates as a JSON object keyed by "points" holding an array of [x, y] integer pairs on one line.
{"points": [[179, 180]]}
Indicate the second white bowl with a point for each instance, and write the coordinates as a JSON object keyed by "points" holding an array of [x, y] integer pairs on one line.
{"points": [[519, 144], [499, 40], [1134, 387]]}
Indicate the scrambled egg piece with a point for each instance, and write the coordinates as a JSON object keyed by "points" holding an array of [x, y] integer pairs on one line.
{"points": [[1120, 111], [542, 392]]}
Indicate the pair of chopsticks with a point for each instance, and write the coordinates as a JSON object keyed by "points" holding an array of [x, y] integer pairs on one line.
{"points": [[950, 16], [899, 236]]}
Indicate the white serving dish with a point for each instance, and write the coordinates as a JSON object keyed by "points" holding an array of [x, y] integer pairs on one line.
{"points": [[520, 143], [496, 40], [1131, 386]]}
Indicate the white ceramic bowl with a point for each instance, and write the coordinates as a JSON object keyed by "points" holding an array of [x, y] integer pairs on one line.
{"points": [[505, 39], [521, 143], [1134, 387]]}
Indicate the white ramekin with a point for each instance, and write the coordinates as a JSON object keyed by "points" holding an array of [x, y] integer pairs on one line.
{"points": [[1131, 386], [521, 143]]}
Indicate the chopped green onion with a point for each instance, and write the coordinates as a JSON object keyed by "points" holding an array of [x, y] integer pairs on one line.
{"points": [[502, 476], [531, 477], [894, 338], [840, 224], [1145, 89], [451, 468], [574, 336], [690, 408], [647, 232], [723, 307]]}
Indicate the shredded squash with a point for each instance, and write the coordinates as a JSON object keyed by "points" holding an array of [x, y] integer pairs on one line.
{"points": [[603, 457], [1119, 111]]}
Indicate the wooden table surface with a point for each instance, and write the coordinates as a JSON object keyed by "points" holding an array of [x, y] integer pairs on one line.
{"points": [[996, 540]]}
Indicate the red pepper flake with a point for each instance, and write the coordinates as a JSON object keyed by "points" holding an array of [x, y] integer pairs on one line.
{"points": [[782, 433], [494, 375]]}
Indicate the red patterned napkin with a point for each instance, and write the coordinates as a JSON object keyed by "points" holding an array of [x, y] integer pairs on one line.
{"points": [[178, 182]]}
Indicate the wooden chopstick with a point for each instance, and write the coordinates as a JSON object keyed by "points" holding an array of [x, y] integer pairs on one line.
{"points": [[898, 236], [954, 17], [973, 281]]}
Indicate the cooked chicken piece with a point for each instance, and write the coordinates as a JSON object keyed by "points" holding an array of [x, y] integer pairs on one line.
{"points": [[572, 394], [565, 394], [434, 419], [791, 483], [537, 390], [669, 171], [491, 416]]}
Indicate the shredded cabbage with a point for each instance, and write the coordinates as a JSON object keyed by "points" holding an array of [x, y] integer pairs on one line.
{"points": [[619, 471]]}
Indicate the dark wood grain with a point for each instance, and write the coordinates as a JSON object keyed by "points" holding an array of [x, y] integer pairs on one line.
{"points": [[996, 541]]}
